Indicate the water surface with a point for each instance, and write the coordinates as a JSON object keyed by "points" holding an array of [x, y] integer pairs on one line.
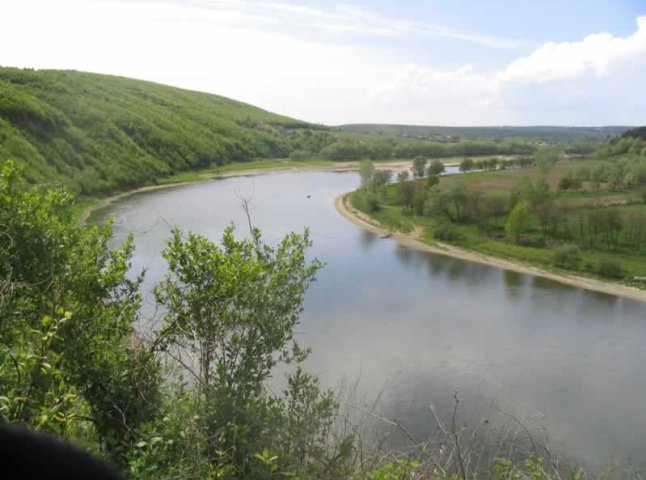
{"points": [[416, 327]]}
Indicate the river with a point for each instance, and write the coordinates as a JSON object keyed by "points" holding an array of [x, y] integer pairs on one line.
{"points": [[414, 328]]}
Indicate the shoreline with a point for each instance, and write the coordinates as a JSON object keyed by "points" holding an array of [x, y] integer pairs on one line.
{"points": [[362, 220], [348, 166]]}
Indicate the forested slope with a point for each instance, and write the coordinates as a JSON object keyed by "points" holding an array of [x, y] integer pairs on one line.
{"points": [[98, 133]]}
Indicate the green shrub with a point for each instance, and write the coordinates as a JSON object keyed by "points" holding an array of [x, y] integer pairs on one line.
{"points": [[447, 232], [609, 269], [567, 256], [300, 155], [372, 202]]}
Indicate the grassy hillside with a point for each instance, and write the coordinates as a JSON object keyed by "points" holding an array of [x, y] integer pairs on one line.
{"points": [[100, 133]]}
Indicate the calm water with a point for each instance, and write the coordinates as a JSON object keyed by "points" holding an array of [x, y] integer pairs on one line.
{"points": [[416, 327]]}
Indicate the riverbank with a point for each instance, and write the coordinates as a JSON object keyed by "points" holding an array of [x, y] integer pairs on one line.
{"points": [[243, 170], [412, 240]]}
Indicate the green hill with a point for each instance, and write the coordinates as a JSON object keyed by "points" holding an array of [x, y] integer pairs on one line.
{"points": [[99, 133]]}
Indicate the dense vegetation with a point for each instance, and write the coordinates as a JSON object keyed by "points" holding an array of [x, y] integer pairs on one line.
{"points": [[101, 133], [71, 361], [584, 215], [98, 133]]}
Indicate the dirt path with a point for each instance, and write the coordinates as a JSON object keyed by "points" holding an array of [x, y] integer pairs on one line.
{"points": [[412, 241]]}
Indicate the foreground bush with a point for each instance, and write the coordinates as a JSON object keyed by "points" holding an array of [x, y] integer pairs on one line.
{"points": [[72, 363]]}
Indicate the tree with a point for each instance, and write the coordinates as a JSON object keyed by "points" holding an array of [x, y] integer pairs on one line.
{"points": [[68, 348], [546, 157], [518, 221], [367, 173], [402, 176], [432, 180], [407, 192], [436, 167], [466, 165], [419, 166], [451, 202], [547, 212], [420, 195], [235, 307], [382, 177]]}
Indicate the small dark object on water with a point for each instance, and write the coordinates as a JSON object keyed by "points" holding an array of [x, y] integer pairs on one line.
{"points": [[309, 196], [388, 235]]}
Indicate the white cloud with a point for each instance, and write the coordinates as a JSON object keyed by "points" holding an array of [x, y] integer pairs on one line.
{"points": [[277, 56], [595, 54], [595, 81]]}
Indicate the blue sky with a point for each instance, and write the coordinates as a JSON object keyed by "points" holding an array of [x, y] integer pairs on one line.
{"points": [[461, 62]]}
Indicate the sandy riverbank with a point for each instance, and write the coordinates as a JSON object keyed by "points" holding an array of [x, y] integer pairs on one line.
{"points": [[409, 240]]}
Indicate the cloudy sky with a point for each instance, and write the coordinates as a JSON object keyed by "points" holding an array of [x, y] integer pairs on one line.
{"points": [[433, 62]]}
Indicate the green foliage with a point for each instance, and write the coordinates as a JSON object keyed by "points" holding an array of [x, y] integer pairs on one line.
{"points": [[98, 133], [419, 166], [639, 132], [567, 256], [432, 180], [371, 202], [447, 232], [67, 315], [546, 157], [234, 307], [71, 361], [436, 167], [407, 193], [300, 155], [532, 468], [366, 173], [399, 470], [608, 268], [466, 165], [518, 221]]}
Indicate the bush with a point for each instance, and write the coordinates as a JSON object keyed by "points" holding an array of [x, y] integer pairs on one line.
{"points": [[565, 183], [567, 256], [609, 269], [642, 194], [372, 202], [447, 232], [300, 155]]}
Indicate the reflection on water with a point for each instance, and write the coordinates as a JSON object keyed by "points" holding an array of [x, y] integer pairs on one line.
{"points": [[417, 327]]}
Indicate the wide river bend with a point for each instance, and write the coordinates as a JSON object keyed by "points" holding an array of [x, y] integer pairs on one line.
{"points": [[416, 327]]}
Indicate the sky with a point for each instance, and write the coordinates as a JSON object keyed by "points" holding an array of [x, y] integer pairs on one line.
{"points": [[433, 62]]}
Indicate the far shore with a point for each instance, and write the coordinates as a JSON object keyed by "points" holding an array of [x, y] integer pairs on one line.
{"points": [[409, 240], [210, 175]]}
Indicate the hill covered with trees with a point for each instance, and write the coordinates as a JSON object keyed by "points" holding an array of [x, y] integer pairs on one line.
{"points": [[99, 133]]}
